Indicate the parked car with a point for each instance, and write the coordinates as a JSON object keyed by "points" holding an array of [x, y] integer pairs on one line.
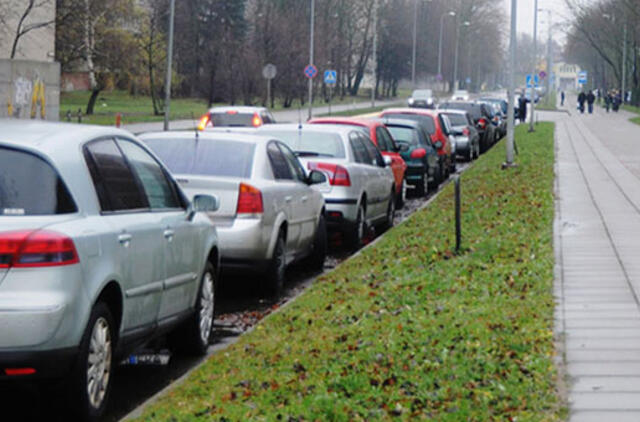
{"points": [[438, 129], [360, 191], [499, 123], [460, 95], [422, 98], [235, 116], [99, 252], [385, 143], [481, 116], [269, 215], [418, 152], [464, 133], [504, 105]]}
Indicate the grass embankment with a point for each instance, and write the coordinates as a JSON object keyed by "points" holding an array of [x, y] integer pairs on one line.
{"points": [[548, 103], [408, 330], [137, 109], [635, 110]]}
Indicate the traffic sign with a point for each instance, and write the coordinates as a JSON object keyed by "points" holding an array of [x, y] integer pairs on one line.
{"points": [[533, 79], [468, 81], [542, 74], [269, 71], [330, 77], [310, 71], [582, 77]]}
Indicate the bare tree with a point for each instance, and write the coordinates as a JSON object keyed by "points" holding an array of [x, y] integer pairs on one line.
{"points": [[26, 24]]}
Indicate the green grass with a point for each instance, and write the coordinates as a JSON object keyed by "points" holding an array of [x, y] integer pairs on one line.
{"points": [[136, 109], [547, 103], [408, 330], [632, 109]]}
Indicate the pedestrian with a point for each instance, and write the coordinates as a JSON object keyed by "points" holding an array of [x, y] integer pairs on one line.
{"points": [[617, 100], [522, 108], [562, 98], [607, 101], [590, 100], [581, 99]]}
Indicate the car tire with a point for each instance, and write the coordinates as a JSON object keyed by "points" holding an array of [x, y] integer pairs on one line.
{"points": [[391, 213], [277, 267], [422, 187], [357, 232], [319, 248], [89, 383], [197, 332], [401, 197]]}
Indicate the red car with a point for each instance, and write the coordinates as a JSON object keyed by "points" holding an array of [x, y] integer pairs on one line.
{"points": [[437, 125], [385, 143]]}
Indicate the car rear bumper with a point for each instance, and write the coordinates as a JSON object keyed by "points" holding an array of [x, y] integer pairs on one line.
{"points": [[414, 173], [46, 364], [246, 239]]}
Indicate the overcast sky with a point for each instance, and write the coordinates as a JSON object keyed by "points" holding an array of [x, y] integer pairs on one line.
{"points": [[560, 14]]}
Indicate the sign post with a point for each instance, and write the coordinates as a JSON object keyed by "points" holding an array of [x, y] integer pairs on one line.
{"points": [[330, 79], [582, 78], [269, 72]]}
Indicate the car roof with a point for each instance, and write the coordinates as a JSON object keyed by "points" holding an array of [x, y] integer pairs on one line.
{"points": [[238, 136], [328, 128], [353, 121], [399, 122], [239, 109], [453, 111], [407, 110]]}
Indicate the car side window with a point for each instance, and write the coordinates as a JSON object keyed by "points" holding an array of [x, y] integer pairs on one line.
{"points": [[278, 162], [160, 190], [375, 158], [294, 165], [384, 141], [358, 148], [115, 183]]}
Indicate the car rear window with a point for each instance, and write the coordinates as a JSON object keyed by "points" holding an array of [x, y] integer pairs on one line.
{"points": [[310, 143], [31, 186], [425, 121], [473, 109], [457, 119], [232, 119], [404, 134], [205, 157]]}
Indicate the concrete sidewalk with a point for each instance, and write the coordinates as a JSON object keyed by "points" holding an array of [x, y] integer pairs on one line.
{"points": [[598, 271], [283, 116]]}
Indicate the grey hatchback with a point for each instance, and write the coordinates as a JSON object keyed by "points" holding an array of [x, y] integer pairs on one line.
{"points": [[99, 252]]}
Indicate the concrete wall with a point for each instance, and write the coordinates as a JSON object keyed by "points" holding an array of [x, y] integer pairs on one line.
{"points": [[23, 86], [38, 44]]}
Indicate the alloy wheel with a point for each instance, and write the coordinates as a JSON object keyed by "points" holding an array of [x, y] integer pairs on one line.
{"points": [[207, 304], [99, 362]]}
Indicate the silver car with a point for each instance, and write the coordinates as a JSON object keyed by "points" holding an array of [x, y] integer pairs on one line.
{"points": [[235, 116], [360, 187], [269, 215], [99, 251], [463, 134]]}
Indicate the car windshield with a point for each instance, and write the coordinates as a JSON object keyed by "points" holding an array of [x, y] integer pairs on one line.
{"points": [[311, 143], [404, 134], [457, 119], [205, 157], [232, 119], [30, 186], [421, 93], [425, 121], [472, 109]]}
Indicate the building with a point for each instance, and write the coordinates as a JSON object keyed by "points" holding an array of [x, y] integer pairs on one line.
{"points": [[566, 76]]}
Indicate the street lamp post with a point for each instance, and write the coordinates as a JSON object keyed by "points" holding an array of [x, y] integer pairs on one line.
{"points": [[313, 7], [512, 87], [167, 84], [375, 53], [535, 71], [444, 15], [415, 42], [455, 61]]}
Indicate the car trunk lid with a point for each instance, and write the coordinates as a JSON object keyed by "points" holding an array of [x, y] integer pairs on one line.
{"points": [[224, 188]]}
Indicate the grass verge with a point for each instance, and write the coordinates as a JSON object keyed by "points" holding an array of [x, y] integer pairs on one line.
{"points": [[408, 330]]}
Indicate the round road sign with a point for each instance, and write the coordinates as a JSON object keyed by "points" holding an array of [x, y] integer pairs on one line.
{"points": [[269, 71], [310, 71]]}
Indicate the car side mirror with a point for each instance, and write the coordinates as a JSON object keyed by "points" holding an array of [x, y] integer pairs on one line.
{"points": [[438, 145], [316, 177], [203, 203], [387, 160]]}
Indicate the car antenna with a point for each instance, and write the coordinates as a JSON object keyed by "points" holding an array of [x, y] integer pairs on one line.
{"points": [[195, 127], [299, 118]]}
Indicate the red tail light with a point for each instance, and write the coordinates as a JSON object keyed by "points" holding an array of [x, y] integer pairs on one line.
{"points": [[256, 121], [337, 175], [418, 153], [204, 121], [466, 131], [482, 123], [249, 200], [19, 371], [36, 249]]}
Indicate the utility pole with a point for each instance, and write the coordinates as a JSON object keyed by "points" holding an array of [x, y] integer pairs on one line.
{"points": [[549, 57], [512, 87], [415, 39], [455, 60], [624, 63], [535, 65], [375, 53], [167, 84], [444, 15], [313, 7]]}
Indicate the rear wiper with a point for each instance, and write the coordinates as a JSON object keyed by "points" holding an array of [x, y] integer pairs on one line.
{"points": [[311, 154]]}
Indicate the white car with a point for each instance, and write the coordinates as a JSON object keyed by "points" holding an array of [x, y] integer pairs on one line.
{"points": [[269, 216], [360, 187], [460, 95]]}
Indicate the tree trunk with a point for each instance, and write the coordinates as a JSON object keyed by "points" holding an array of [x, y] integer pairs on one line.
{"points": [[92, 100]]}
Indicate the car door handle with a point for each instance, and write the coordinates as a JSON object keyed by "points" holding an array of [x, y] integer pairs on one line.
{"points": [[288, 198], [125, 240], [168, 234], [304, 198]]}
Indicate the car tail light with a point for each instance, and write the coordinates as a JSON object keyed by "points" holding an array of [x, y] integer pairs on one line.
{"points": [[418, 153], [482, 123], [232, 112], [338, 175], [256, 121], [204, 121], [466, 131], [249, 200], [19, 371], [36, 249]]}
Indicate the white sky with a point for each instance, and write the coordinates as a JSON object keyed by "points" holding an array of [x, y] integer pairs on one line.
{"points": [[525, 11]]}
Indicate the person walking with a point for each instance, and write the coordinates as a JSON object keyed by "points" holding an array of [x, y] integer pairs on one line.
{"points": [[581, 99], [607, 101], [522, 108], [590, 100], [562, 98]]}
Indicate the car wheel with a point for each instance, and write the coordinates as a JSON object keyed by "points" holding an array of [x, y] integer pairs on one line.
{"points": [[90, 379], [391, 213], [319, 251], [356, 235], [454, 167], [401, 197], [422, 186], [277, 267], [469, 156]]}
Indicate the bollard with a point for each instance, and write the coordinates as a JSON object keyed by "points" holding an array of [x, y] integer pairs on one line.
{"points": [[79, 116], [118, 119], [458, 224], [68, 115]]}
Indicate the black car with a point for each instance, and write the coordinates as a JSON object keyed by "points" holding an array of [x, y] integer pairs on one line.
{"points": [[481, 115]]}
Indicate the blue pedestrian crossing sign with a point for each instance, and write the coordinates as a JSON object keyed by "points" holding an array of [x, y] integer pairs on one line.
{"points": [[533, 79], [582, 77], [330, 77]]}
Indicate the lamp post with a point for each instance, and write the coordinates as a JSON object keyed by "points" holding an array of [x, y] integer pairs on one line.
{"points": [[624, 56], [375, 53], [535, 71], [512, 64], [549, 52], [415, 42], [313, 7], [455, 61], [167, 83], [444, 15]]}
